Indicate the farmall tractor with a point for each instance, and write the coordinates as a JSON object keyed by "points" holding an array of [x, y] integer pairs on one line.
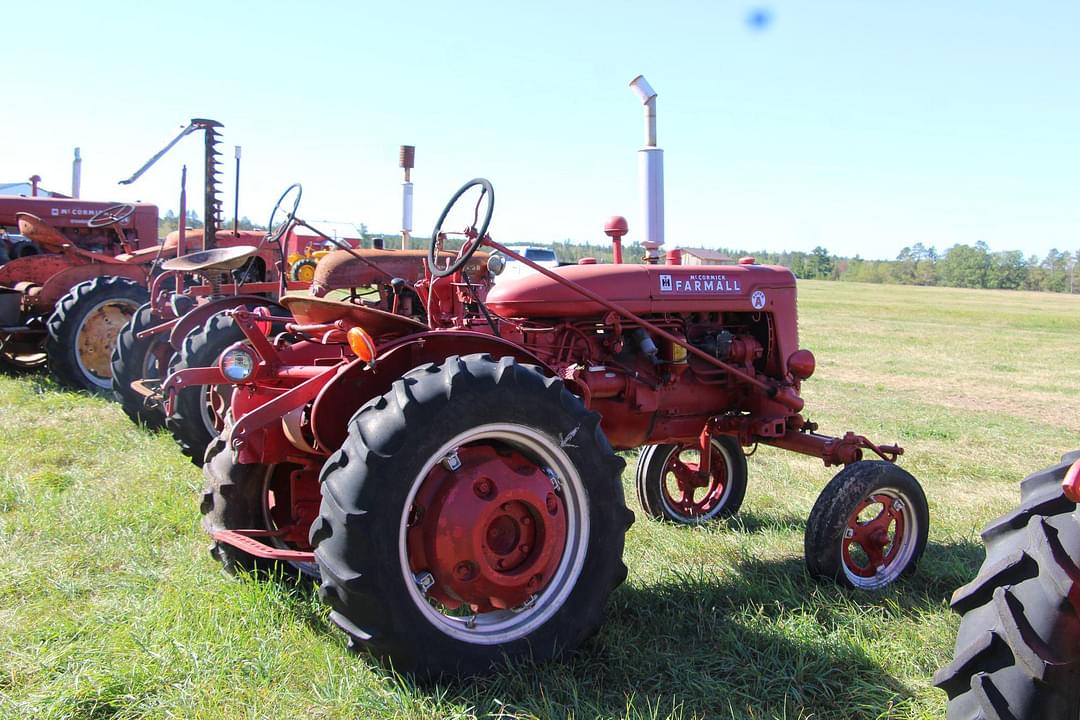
{"points": [[1018, 649], [454, 483], [184, 325], [68, 304]]}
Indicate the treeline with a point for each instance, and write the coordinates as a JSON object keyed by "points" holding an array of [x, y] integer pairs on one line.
{"points": [[963, 266]]}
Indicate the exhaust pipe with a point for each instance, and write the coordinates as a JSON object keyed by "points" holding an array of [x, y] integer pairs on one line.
{"points": [[650, 173], [76, 174], [407, 160]]}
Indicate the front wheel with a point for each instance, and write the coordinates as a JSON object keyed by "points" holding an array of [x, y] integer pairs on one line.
{"points": [[670, 488], [474, 515], [868, 527], [1018, 648]]}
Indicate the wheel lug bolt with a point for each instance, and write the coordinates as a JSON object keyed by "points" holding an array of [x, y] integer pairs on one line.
{"points": [[526, 520], [505, 507], [500, 564], [464, 570], [482, 488], [524, 549]]}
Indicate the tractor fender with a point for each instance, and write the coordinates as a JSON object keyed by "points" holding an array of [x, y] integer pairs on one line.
{"points": [[62, 282], [33, 269], [198, 315], [339, 400]]}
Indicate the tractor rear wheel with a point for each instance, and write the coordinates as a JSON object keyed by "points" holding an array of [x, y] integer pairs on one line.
{"points": [[247, 497], [669, 488], [199, 410], [868, 527], [473, 516], [135, 359], [1018, 648], [303, 270], [83, 330]]}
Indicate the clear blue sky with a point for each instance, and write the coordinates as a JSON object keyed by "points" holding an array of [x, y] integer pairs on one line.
{"points": [[862, 126]]}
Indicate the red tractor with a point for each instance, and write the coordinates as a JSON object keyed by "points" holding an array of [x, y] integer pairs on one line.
{"points": [[184, 323], [1018, 649], [454, 482], [68, 304], [70, 242]]}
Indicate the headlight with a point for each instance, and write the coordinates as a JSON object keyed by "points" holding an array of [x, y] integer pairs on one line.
{"points": [[237, 364], [496, 264]]}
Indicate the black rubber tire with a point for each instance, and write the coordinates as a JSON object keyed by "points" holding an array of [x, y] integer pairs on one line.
{"points": [[233, 499], [201, 348], [366, 484], [297, 268], [650, 473], [1018, 647], [129, 363], [828, 521], [67, 319]]}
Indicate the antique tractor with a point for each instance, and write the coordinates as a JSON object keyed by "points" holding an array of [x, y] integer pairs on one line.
{"points": [[1018, 649], [186, 326], [454, 483]]}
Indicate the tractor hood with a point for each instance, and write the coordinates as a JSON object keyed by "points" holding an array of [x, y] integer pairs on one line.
{"points": [[643, 289]]}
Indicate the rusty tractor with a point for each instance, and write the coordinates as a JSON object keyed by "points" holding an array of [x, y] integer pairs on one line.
{"points": [[1018, 648], [185, 326], [77, 242], [453, 483], [67, 304]]}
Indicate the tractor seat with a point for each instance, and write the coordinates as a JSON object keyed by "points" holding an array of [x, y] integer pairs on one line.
{"points": [[220, 259], [41, 232]]}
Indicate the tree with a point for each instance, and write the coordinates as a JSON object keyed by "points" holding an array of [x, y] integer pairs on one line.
{"points": [[966, 266]]}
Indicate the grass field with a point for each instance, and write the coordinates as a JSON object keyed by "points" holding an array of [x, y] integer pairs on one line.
{"points": [[110, 606]]}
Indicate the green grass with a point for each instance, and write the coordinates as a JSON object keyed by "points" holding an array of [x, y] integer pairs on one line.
{"points": [[110, 606]]}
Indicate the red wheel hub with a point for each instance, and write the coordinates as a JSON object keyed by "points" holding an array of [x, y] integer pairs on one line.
{"points": [[688, 481], [879, 537], [491, 532]]}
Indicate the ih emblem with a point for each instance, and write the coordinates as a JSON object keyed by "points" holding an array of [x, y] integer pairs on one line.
{"points": [[665, 283]]}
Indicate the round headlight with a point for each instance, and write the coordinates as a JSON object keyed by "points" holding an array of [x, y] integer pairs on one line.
{"points": [[496, 264], [237, 364]]}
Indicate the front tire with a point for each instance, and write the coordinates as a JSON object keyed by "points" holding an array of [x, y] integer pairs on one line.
{"points": [[474, 515], [83, 330], [868, 527], [1018, 648], [668, 487]]}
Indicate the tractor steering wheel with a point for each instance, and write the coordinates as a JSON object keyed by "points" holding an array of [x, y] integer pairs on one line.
{"points": [[111, 215], [473, 237], [273, 234]]}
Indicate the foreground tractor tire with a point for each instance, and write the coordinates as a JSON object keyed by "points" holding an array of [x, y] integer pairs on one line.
{"points": [[140, 359], [243, 497], [868, 527], [473, 516], [83, 330], [668, 487], [1018, 648], [199, 411]]}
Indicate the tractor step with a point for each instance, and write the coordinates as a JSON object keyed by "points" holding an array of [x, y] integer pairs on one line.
{"points": [[245, 540]]}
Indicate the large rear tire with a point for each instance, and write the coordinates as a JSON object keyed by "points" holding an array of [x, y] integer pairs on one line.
{"points": [[1018, 648], [199, 411], [83, 330], [473, 516], [247, 497], [140, 359]]}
